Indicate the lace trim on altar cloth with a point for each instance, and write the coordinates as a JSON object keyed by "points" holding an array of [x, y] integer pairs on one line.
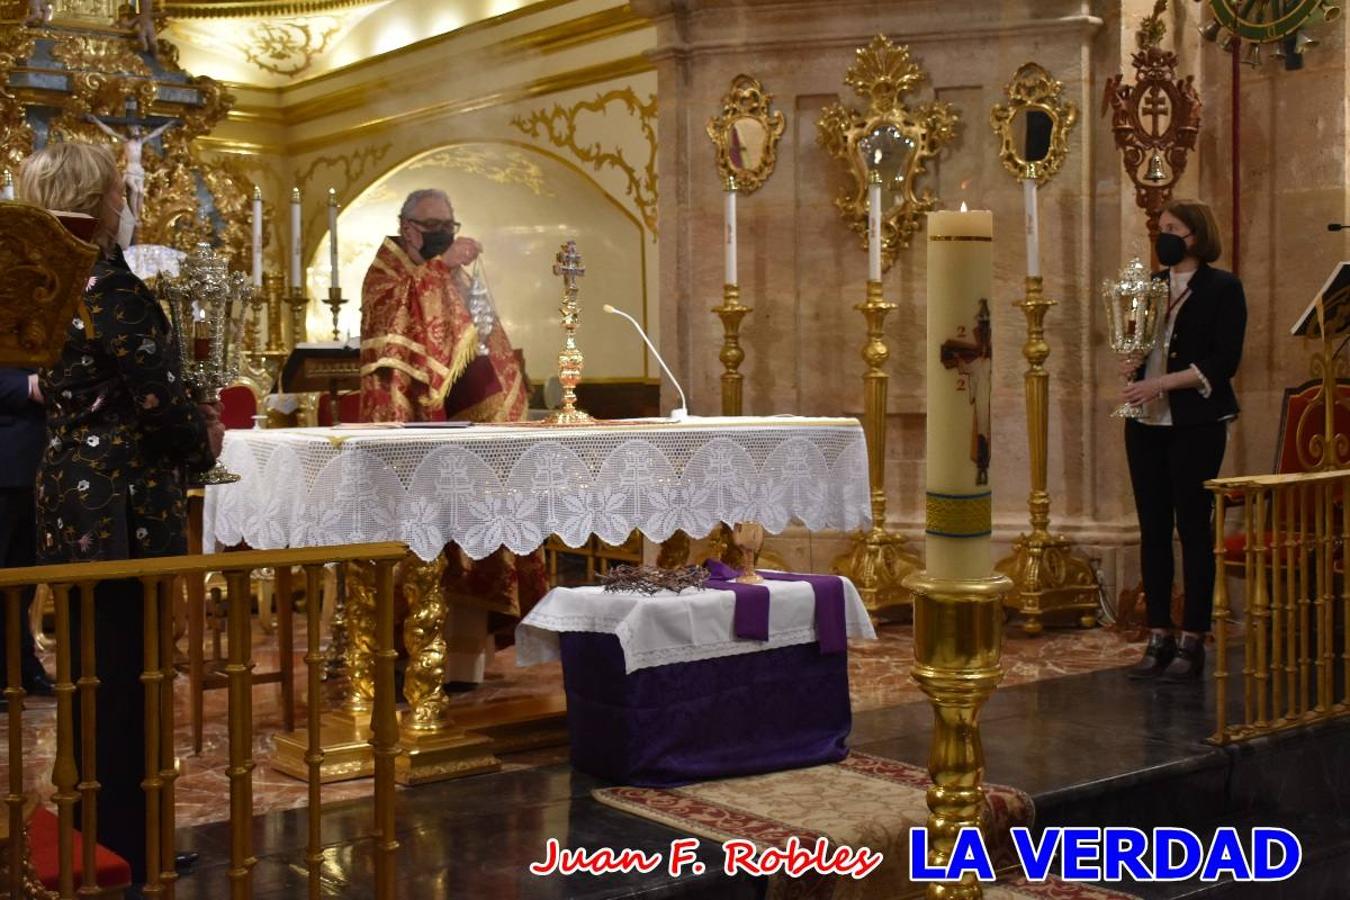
{"points": [[492, 488]]}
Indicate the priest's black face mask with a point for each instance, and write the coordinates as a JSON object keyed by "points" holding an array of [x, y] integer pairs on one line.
{"points": [[434, 243]]}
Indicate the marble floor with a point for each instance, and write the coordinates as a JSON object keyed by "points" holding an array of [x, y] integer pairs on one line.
{"points": [[878, 674]]}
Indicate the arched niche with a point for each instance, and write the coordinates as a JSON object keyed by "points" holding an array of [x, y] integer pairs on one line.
{"points": [[521, 203]]}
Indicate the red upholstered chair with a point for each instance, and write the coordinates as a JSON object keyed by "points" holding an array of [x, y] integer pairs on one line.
{"points": [[349, 408], [239, 403], [1302, 423]]}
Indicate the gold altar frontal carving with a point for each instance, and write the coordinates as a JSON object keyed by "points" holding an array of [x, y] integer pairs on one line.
{"points": [[1048, 576]]}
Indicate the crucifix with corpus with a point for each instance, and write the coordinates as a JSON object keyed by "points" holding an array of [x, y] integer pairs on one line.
{"points": [[972, 356]]}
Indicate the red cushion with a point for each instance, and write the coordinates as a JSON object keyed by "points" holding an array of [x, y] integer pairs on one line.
{"points": [[43, 833], [238, 406]]}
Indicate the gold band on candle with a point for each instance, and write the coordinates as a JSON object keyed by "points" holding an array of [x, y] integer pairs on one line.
{"points": [[959, 515]]}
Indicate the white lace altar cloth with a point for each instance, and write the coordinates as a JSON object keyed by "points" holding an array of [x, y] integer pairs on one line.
{"points": [[674, 628], [491, 486]]}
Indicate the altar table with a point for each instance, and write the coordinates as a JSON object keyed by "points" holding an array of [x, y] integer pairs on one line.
{"points": [[661, 692], [489, 486]]}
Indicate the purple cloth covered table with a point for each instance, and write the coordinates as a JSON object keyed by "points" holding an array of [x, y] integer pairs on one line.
{"points": [[713, 718]]}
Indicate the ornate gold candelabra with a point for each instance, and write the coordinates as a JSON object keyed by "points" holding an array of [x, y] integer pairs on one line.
{"points": [[958, 648], [570, 360], [879, 560], [1047, 575]]}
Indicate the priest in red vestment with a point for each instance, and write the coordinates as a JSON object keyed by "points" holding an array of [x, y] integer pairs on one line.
{"points": [[422, 360]]}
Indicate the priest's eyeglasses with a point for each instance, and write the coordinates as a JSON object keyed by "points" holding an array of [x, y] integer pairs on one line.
{"points": [[449, 225]]}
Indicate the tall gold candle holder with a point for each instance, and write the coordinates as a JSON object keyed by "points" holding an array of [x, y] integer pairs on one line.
{"points": [[879, 560], [298, 301], [958, 650], [334, 302], [570, 360], [1047, 575], [731, 312]]}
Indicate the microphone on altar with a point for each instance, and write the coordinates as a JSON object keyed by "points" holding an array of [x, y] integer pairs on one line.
{"points": [[683, 411]]}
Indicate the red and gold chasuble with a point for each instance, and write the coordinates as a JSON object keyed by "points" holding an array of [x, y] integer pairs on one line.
{"points": [[419, 348], [420, 363]]}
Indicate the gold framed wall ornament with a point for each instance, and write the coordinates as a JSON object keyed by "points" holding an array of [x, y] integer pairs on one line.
{"points": [[889, 136], [1033, 127], [745, 134]]}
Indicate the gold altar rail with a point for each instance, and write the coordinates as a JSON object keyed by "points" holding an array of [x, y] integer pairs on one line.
{"points": [[156, 577], [1294, 530]]}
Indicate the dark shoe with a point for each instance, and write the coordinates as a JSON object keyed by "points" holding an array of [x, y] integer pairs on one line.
{"points": [[1189, 664], [36, 682], [459, 687], [183, 862], [1161, 650]]}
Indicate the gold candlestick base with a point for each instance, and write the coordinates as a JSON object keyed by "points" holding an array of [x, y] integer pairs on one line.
{"points": [[570, 417], [732, 355], [958, 648], [879, 561], [878, 565], [335, 301], [1049, 579], [1047, 576]]}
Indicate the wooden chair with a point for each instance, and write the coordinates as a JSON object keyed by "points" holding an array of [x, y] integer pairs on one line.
{"points": [[1302, 424]]}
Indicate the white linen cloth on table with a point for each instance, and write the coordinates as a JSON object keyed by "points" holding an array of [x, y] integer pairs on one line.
{"points": [[513, 486], [673, 628]]}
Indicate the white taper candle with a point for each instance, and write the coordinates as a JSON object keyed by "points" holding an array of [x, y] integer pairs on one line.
{"points": [[1033, 228], [332, 238], [874, 226], [730, 237], [257, 237], [297, 278]]}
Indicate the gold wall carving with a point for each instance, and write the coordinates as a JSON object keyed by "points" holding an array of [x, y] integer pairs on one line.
{"points": [[16, 136], [747, 158], [882, 74], [100, 11], [353, 165], [559, 127], [288, 47], [502, 167]]}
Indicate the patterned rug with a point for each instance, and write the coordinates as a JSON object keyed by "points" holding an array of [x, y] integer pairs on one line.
{"points": [[861, 801]]}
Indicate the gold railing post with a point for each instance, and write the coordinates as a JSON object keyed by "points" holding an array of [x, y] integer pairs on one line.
{"points": [[1047, 574], [1344, 486], [384, 736], [1220, 622], [238, 669], [958, 646], [731, 312], [14, 699], [1249, 632], [1261, 616], [168, 770], [65, 774], [314, 662], [879, 561], [1326, 597], [1304, 599], [150, 681], [88, 786], [283, 595], [1291, 538], [1278, 620]]}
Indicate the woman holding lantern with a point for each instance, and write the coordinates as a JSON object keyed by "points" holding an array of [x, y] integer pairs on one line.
{"points": [[121, 431], [1185, 388]]}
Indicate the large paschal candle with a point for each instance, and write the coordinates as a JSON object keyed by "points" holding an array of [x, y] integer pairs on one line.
{"points": [[958, 518]]}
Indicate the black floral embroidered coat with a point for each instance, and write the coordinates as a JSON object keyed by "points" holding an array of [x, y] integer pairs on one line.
{"points": [[121, 429]]}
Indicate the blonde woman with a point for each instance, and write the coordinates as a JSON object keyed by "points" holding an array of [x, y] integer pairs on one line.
{"points": [[121, 432]]}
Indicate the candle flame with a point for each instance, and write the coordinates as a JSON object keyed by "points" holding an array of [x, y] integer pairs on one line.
{"points": [[963, 206]]}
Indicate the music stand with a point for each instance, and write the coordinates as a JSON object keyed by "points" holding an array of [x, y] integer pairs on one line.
{"points": [[324, 368], [1327, 319]]}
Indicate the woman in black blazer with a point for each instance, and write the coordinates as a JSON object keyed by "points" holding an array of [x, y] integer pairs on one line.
{"points": [[1185, 386]]}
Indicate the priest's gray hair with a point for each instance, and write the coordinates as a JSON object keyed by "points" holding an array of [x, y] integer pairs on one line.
{"points": [[417, 197]]}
